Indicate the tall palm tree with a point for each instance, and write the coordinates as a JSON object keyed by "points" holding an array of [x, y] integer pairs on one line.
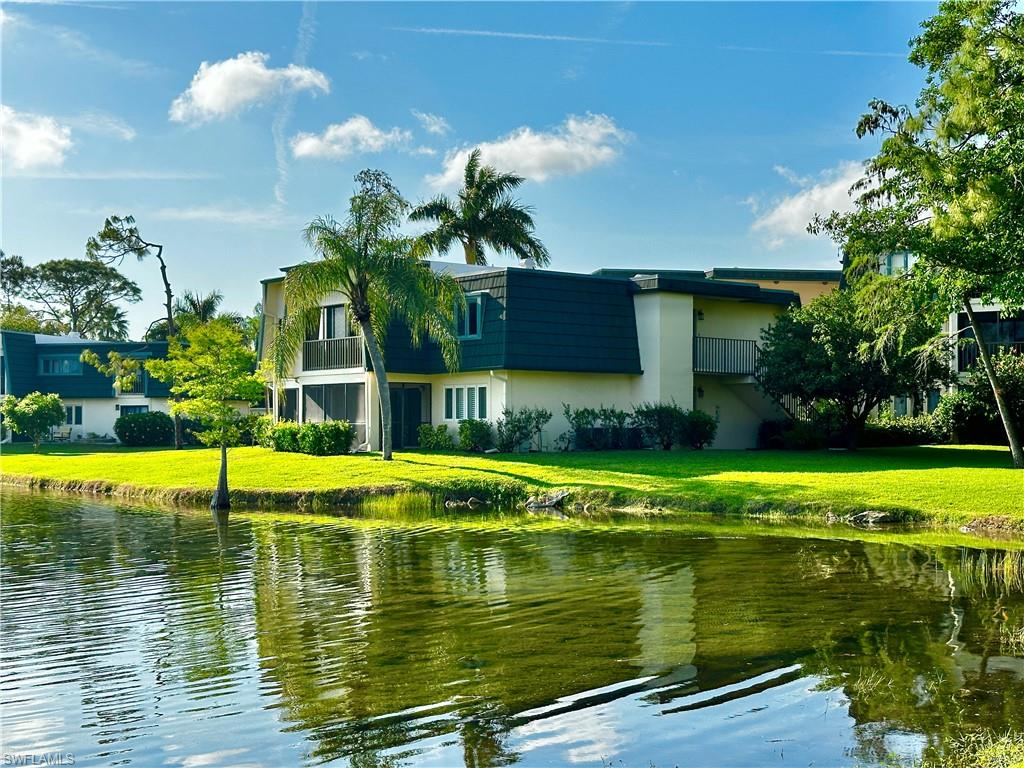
{"points": [[382, 274], [485, 215]]}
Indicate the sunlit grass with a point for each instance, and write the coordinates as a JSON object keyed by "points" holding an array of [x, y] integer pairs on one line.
{"points": [[950, 484]]}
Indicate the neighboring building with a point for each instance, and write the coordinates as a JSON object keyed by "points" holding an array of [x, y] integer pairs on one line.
{"points": [[809, 284], [32, 362], [538, 338]]}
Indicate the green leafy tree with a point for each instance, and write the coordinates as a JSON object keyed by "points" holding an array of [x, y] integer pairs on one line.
{"points": [[18, 317], [123, 369], [211, 371], [80, 295], [484, 215], [13, 273], [946, 183], [383, 277], [828, 356], [34, 415]]}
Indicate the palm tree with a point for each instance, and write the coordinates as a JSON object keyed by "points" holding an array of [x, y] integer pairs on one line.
{"points": [[194, 306], [384, 278], [484, 216]]}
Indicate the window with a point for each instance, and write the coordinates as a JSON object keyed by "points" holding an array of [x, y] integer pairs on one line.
{"points": [[465, 403], [468, 322], [128, 410], [73, 414], [336, 322], [60, 365]]}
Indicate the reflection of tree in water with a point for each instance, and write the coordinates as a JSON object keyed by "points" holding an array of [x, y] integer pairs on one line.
{"points": [[938, 677]]}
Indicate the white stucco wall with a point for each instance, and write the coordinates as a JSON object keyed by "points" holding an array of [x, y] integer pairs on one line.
{"points": [[100, 413], [664, 325]]}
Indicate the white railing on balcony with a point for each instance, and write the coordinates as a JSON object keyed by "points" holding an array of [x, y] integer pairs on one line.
{"points": [[329, 354], [969, 353]]}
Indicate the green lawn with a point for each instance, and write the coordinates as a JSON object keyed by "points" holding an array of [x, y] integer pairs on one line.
{"points": [[951, 484]]}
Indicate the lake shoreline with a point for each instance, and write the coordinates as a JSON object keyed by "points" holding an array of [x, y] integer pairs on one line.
{"points": [[581, 504]]}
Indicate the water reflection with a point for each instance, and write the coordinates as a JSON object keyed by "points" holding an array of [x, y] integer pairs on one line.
{"points": [[150, 638]]}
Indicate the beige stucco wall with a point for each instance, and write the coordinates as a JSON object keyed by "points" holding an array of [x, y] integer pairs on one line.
{"points": [[808, 290], [734, 319], [529, 389]]}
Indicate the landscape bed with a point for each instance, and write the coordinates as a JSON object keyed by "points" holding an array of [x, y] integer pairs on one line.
{"points": [[943, 484]]}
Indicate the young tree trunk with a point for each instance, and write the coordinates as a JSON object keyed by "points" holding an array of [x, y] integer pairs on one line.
{"points": [[1016, 450], [383, 390], [221, 500]]}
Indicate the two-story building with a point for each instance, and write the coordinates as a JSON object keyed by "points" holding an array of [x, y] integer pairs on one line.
{"points": [[32, 362], [533, 338]]}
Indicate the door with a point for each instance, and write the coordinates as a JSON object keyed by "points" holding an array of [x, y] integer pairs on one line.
{"points": [[406, 415]]}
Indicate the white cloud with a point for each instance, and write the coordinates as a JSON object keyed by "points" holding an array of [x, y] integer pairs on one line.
{"points": [[102, 124], [32, 141], [526, 36], [577, 145], [787, 218], [267, 217], [432, 123], [354, 136], [226, 88]]}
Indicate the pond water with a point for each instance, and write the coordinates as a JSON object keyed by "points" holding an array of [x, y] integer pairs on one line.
{"points": [[150, 637]]}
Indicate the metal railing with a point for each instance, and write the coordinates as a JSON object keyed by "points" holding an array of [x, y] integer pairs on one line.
{"points": [[138, 386], [737, 357], [328, 354], [968, 355]]}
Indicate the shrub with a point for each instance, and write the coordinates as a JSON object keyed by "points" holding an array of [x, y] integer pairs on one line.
{"points": [[259, 430], [888, 431], [327, 438], [475, 435], [961, 416], [771, 433], [517, 427], [581, 424], [150, 428], [284, 437], [435, 438], [660, 423], [697, 429]]}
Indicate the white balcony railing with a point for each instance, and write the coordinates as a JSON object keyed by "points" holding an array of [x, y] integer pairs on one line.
{"points": [[330, 354]]}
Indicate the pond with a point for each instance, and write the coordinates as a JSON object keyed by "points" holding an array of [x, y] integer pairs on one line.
{"points": [[145, 637]]}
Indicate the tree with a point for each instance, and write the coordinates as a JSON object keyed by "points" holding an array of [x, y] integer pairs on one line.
{"points": [[119, 238], [946, 182], [826, 355], [18, 317], [80, 295], [384, 278], [484, 216], [123, 369], [34, 415], [13, 273], [210, 371]]}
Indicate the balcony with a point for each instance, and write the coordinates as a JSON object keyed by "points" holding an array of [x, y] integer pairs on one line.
{"points": [[331, 354], [968, 355], [728, 357]]}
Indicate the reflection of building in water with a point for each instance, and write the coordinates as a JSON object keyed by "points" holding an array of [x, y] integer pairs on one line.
{"points": [[667, 634]]}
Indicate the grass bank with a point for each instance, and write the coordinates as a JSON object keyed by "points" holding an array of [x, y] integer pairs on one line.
{"points": [[944, 484]]}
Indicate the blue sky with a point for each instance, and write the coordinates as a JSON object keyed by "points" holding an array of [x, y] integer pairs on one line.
{"points": [[673, 135]]}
